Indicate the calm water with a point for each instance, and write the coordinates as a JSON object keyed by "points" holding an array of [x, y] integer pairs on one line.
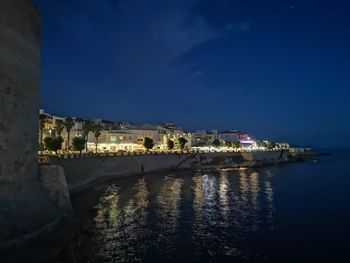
{"points": [[292, 213]]}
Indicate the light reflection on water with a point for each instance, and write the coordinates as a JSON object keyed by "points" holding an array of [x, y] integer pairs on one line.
{"points": [[293, 213], [166, 217], [168, 213]]}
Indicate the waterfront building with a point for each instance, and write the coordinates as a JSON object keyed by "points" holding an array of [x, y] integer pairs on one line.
{"points": [[228, 136], [50, 124], [125, 136], [155, 132], [115, 136], [203, 138], [129, 139], [212, 135], [114, 141], [234, 136], [124, 125], [175, 132]]}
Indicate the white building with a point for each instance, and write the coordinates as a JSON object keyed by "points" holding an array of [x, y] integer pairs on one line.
{"points": [[129, 139], [203, 138], [228, 136], [113, 141]]}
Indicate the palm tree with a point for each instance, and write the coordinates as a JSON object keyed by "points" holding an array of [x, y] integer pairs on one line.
{"points": [[68, 124], [59, 127], [97, 132], [87, 128], [43, 120]]}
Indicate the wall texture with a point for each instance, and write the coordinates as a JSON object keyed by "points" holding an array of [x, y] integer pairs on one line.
{"points": [[24, 207], [82, 171], [53, 180]]}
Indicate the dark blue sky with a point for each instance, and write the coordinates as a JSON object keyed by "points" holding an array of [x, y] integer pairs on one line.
{"points": [[277, 69]]}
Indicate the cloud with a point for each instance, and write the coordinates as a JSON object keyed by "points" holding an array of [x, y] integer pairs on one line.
{"points": [[130, 45], [140, 31], [145, 38], [165, 32]]}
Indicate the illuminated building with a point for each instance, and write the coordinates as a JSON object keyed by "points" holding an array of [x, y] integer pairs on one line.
{"points": [[204, 138]]}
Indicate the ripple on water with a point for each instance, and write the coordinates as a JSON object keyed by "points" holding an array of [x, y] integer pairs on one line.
{"points": [[168, 217]]}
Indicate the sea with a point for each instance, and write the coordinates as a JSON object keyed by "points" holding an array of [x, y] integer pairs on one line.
{"points": [[295, 212]]}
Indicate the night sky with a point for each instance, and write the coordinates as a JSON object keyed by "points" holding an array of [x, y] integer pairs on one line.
{"points": [[277, 69]]}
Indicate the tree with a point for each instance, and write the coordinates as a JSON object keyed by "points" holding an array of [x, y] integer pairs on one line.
{"points": [[216, 143], [200, 144], [42, 119], [170, 144], [235, 145], [270, 145], [53, 144], [59, 127], [261, 144], [87, 127], [148, 143], [182, 141], [78, 143], [97, 133], [228, 144], [68, 124]]}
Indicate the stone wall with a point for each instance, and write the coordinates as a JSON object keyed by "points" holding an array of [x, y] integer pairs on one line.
{"points": [[82, 171], [24, 207], [53, 181]]}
